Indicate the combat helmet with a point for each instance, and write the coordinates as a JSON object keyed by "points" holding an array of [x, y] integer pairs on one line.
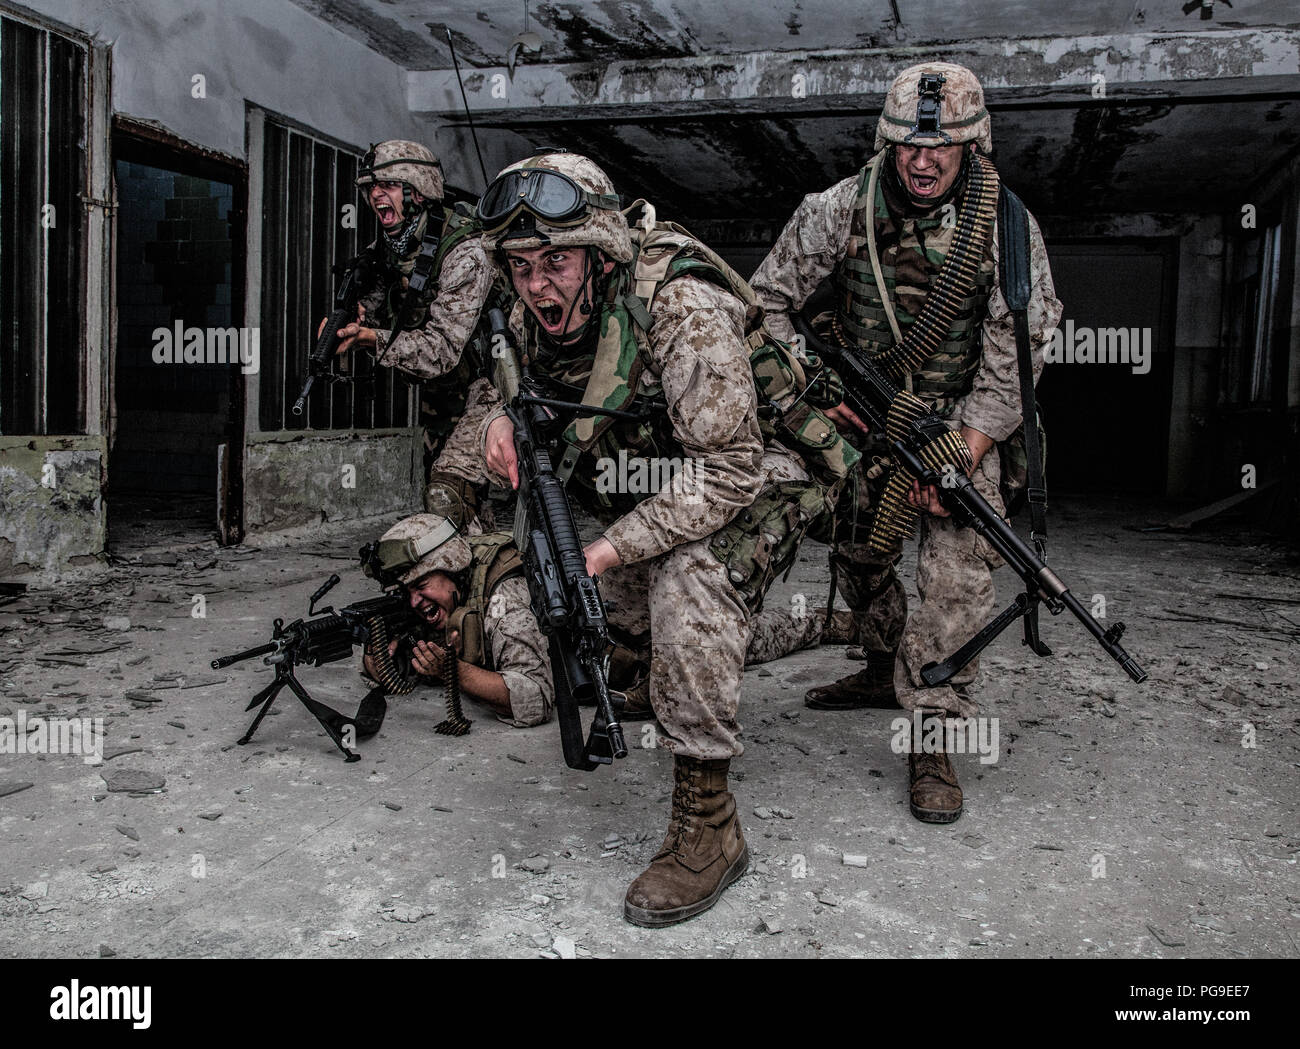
{"points": [[414, 547], [935, 104], [554, 198], [399, 160]]}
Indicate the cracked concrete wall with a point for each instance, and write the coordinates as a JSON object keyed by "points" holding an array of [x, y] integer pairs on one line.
{"points": [[295, 479], [269, 52], [51, 513]]}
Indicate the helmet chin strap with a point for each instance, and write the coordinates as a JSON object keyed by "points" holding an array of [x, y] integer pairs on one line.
{"points": [[921, 206], [399, 241], [583, 305]]}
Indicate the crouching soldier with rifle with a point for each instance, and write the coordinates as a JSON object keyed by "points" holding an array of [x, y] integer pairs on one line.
{"points": [[656, 337]]}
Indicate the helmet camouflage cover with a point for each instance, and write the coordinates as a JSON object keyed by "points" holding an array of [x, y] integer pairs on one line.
{"points": [[604, 228], [399, 160], [960, 110], [423, 543]]}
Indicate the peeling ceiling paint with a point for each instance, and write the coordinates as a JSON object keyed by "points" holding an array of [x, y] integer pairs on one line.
{"points": [[1193, 158], [602, 30]]}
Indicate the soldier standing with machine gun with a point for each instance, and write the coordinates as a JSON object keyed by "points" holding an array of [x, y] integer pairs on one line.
{"points": [[910, 242]]}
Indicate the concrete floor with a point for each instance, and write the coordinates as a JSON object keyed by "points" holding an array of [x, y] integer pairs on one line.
{"points": [[1120, 820]]}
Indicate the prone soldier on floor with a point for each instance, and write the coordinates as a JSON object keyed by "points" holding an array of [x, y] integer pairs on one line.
{"points": [[470, 590]]}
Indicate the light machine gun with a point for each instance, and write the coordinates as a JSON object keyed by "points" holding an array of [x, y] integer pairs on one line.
{"points": [[565, 600], [328, 636], [925, 450]]}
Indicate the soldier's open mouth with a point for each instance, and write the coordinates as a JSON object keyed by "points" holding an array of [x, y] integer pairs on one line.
{"points": [[552, 313], [384, 212], [923, 185]]}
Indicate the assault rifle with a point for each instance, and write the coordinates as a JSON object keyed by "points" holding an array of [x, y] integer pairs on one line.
{"points": [[328, 636], [925, 450], [354, 277], [564, 599]]}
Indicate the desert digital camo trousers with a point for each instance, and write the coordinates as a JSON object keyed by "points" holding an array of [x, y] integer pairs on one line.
{"points": [[954, 579], [461, 455], [778, 631], [699, 631]]}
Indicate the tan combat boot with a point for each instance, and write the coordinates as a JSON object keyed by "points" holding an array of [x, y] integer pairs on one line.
{"points": [[872, 687], [703, 852], [935, 795]]}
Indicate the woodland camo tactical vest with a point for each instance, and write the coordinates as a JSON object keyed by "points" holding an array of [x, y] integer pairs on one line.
{"points": [[912, 251], [495, 558]]}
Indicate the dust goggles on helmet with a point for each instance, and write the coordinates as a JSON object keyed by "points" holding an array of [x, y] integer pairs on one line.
{"points": [[387, 559], [548, 195]]}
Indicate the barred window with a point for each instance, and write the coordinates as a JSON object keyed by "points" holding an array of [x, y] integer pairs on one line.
{"points": [[43, 117], [307, 183]]}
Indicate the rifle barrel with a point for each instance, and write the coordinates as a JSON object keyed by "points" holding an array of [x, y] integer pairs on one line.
{"points": [[239, 657]]}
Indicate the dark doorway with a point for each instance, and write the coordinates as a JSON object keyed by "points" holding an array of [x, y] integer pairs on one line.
{"points": [[1108, 426], [177, 384]]}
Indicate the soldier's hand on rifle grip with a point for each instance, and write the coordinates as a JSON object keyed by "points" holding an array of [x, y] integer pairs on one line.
{"points": [[600, 556], [927, 499], [499, 450], [369, 667], [356, 334], [845, 419]]}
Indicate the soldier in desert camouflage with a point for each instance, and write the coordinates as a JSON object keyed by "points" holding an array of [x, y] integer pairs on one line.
{"points": [[686, 565], [883, 235], [425, 332]]}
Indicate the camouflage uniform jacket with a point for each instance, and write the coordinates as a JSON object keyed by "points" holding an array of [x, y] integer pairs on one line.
{"points": [[464, 281], [515, 648], [815, 242], [695, 351]]}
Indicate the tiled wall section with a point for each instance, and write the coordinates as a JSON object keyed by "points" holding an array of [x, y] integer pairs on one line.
{"points": [[173, 264]]}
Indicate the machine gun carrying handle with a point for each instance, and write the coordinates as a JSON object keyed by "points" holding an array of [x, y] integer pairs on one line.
{"points": [[325, 588]]}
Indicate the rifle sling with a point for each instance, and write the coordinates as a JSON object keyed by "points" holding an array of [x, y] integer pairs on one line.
{"points": [[1016, 284]]}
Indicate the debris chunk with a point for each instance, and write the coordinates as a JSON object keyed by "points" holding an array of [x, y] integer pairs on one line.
{"points": [[131, 780], [1164, 937], [536, 864], [12, 786], [129, 832], [565, 947], [853, 860]]}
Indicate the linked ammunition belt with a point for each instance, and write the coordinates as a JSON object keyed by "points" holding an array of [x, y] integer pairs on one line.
{"points": [[395, 681], [956, 279], [894, 519], [456, 723]]}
